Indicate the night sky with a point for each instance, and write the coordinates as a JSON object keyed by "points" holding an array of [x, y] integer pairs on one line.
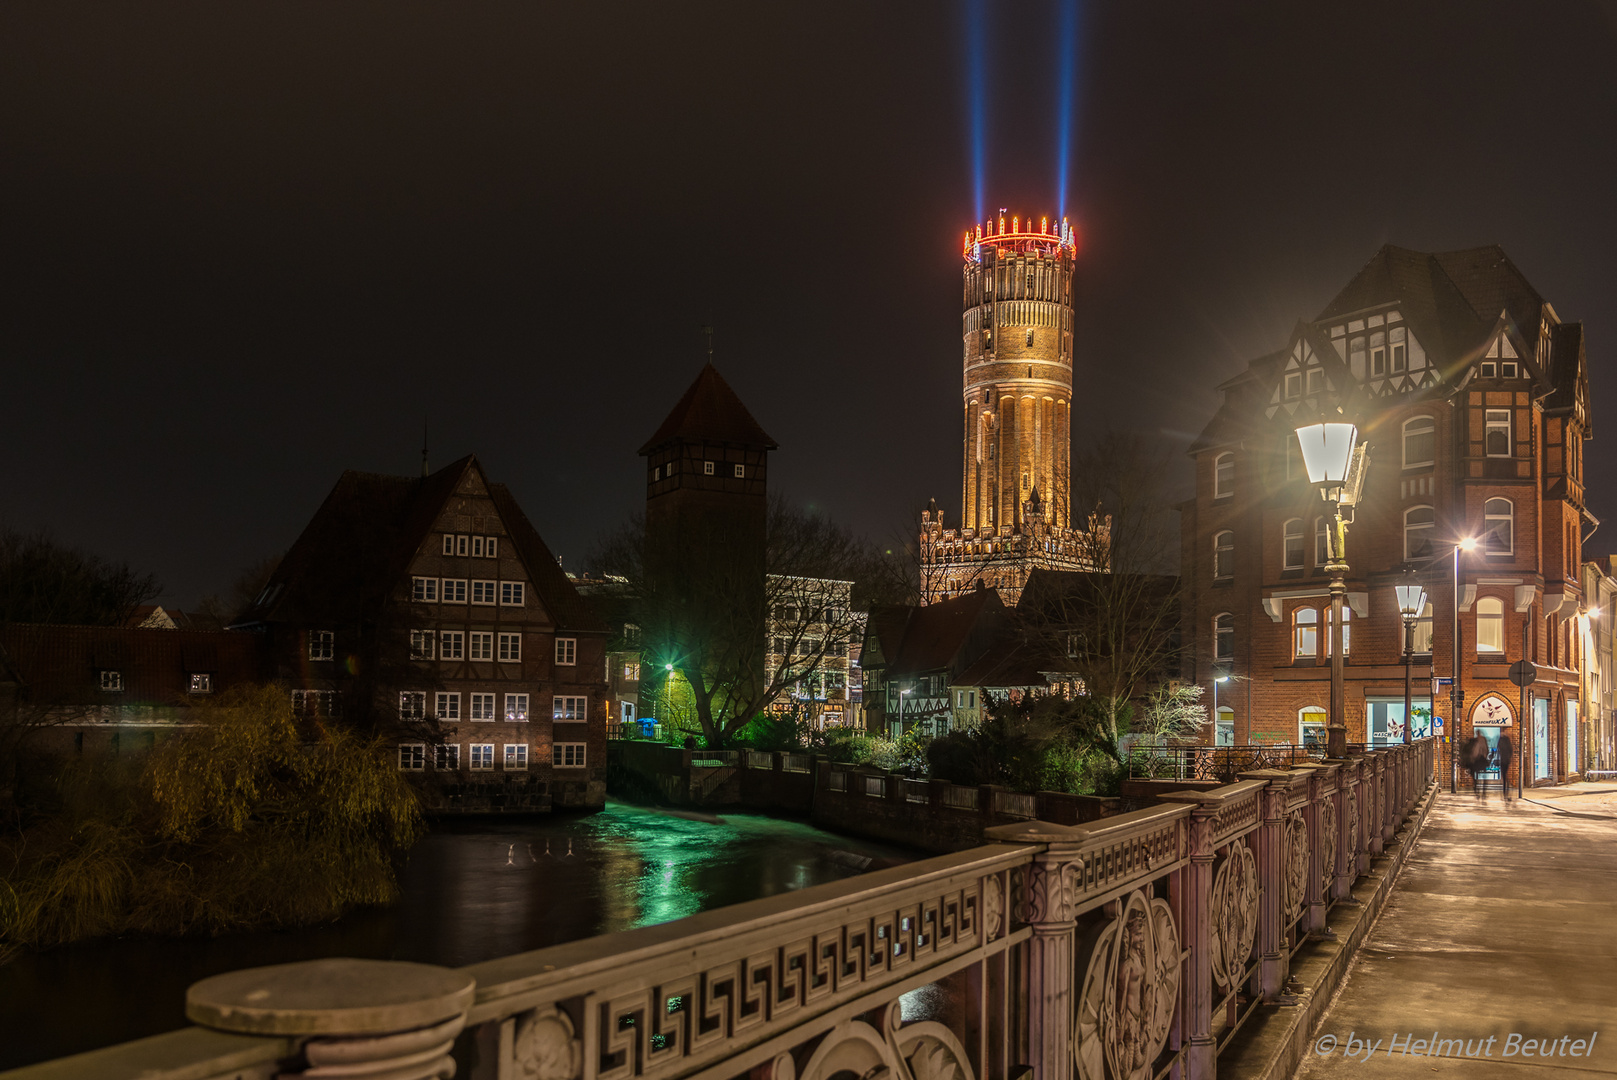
{"points": [[246, 246]]}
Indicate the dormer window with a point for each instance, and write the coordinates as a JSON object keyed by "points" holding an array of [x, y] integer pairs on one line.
{"points": [[1223, 476], [1400, 349], [1316, 380], [1508, 369], [112, 681], [201, 683]]}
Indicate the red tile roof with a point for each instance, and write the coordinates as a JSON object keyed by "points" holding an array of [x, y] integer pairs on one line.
{"points": [[61, 665]]}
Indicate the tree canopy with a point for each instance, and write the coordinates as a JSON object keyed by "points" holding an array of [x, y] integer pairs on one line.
{"points": [[45, 581]]}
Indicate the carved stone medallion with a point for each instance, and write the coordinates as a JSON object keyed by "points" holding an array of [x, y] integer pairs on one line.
{"points": [[544, 1047], [1128, 993], [993, 908], [1353, 824], [1296, 862], [1235, 914], [1327, 844]]}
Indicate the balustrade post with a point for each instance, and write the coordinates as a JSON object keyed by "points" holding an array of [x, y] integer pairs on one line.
{"points": [[1051, 901], [1196, 934], [1389, 808], [344, 1017], [1315, 896], [1376, 776], [1274, 958]]}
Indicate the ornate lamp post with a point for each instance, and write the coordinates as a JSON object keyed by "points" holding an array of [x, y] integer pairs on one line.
{"points": [[1411, 602], [1335, 464], [1456, 692]]}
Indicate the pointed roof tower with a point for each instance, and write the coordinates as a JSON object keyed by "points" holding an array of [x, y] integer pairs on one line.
{"points": [[710, 412]]}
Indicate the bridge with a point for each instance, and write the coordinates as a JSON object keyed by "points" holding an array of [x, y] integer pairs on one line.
{"points": [[1156, 943]]}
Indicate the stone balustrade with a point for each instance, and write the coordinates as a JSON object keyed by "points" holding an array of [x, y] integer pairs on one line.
{"points": [[1113, 950]]}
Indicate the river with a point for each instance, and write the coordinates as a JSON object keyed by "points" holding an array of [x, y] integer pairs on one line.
{"points": [[472, 890]]}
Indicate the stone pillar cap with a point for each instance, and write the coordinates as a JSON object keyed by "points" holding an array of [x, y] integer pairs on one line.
{"points": [[337, 996]]}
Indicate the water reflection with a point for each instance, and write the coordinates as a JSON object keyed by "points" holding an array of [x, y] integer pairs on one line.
{"points": [[473, 890]]}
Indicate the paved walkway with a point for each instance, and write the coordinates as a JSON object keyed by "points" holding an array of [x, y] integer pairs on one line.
{"points": [[1502, 925]]}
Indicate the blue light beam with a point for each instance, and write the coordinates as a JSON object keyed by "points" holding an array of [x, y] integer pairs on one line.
{"points": [[1067, 64], [977, 95]]}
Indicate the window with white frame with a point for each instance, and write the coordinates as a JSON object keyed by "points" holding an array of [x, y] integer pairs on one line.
{"points": [[477, 547], [513, 593], [1294, 384], [412, 704], [1224, 475], [707, 468], [516, 757], [569, 708], [1420, 524], [448, 707], [1498, 527], [421, 644], [483, 592], [631, 671], [322, 644], [326, 703], [1400, 349], [424, 590], [516, 708], [1490, 625], [449, 543], [446, 758], [412, 756], [482, 645], [741, 470], [482, 706], [452, 644], [1305, 633], [1292, 545], [112, 681], [1420, 441], [510, 648], [482, 756], [626, 711], [1224, 637], [1311, 726], [454, 590], [1224, 726], [566, 650], [1224, 554], [1496, 433], [1316, 380], [568, 755], [201, 682]]}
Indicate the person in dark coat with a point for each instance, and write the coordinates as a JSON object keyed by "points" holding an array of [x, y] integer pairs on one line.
{"points": [[1505, 753], [1475, 760]]}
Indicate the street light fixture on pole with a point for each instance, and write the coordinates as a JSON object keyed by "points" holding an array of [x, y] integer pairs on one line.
{"points": [[1335, 462], [1456, 691], [1411, 602], [1220, 679], [899, 734]]}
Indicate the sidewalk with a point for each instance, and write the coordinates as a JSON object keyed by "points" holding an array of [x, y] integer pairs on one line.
{"points": [[1502, 923]]}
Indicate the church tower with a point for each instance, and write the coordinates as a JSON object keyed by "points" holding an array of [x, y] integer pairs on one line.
{"points": [[1016, 484]]}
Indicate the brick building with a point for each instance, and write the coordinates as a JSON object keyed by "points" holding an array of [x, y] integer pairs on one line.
{"points": [[431, 605], [1016, 484], [1472, 395]]}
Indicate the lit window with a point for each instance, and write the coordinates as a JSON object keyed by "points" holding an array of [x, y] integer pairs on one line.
{"points": [[483, 592], [1419, 522], [1420, 441], [631, 671], [573, 709], [1305, 632], [452, 645], [482, 757], [512, 593], [412, 704], [201, 683], [1224, 637], [446, 758], [1292, 544], [569, 755], [326, 703], [482, 706], [482, 645], [454, 590], [112, 681], [1224, 727], [1223, 475], [1490, 625], [1224, 554], [448, 707], [707, 468], [516, 707], [421, 644], [1497, 529], [322, 644], [1496, 437], [413, 757], [510, 648], [741, 472], [626, 711], [1311, 727], [516, 757], [566, 650]]}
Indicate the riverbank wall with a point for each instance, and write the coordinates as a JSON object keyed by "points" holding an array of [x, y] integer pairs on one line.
{"points": [[929, 815]]}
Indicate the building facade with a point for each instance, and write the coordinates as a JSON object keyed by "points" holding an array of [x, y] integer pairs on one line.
{"points": [[431, 610], [1472, 396], [813, 628], [1016, 484], [1600, 662]]}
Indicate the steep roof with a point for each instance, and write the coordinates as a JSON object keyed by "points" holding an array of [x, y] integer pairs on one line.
{"points": [[359, 545], [710, 412], [58, 665], [941, 635]]}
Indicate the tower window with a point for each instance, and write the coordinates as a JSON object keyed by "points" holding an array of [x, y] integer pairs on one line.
{"points": [[1030, 336], [707, 468], [741, 472]]}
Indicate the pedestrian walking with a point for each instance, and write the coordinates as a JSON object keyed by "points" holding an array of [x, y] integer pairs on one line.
{"points": [[1475, 761], [1505, 753]]}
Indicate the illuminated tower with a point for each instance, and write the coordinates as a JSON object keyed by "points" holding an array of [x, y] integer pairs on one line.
{"points": [[1016, 486]]}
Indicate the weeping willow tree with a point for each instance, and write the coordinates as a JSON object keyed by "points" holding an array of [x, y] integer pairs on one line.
{"points": [[252, 818]]}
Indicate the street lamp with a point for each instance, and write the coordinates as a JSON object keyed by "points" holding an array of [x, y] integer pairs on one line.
{"points": [[1411, 602], [899, 734], [1335, 464], [1456, 692], [1220, 679]]}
